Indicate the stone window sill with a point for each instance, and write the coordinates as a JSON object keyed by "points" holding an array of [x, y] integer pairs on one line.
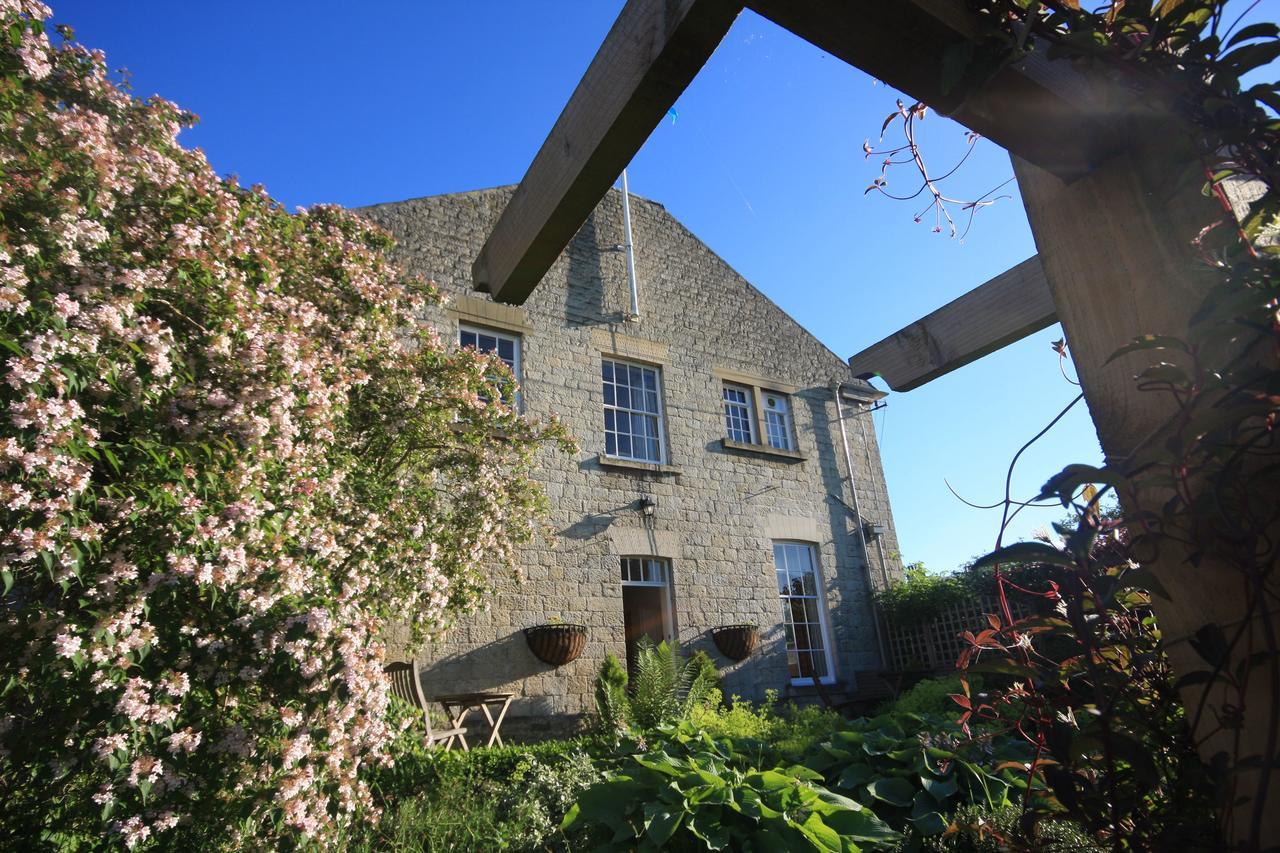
{"points": [[763, 449], [605, 461]]}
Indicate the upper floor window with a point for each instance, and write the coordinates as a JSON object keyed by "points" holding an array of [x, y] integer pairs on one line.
{"points": [[739, 413], [632, 411], [504, 345], [777, 421]]}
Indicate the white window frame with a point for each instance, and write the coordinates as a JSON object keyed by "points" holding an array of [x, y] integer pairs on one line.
{"points": [[663, 566], [788, 420], [659, 416], [820, 602], [748, 407], [517, 342]]}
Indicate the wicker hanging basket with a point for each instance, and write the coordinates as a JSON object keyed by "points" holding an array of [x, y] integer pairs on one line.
{"points": [[556, 644], [736, 642]]}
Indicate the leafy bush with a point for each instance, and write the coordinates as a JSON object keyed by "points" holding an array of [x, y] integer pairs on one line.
{"points": [[501, 798], [666, 688], [932, 696], [221, 472], [976, 829], [787, 734], [698, 798], [914, 770], [921, 595], [611, 695]]}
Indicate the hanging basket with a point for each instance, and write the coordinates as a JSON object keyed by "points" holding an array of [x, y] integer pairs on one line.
{"points": [[736, 642], [556, 644]]}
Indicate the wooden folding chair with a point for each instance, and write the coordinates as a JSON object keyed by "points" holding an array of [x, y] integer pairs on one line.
{"points": [[406, 684]]}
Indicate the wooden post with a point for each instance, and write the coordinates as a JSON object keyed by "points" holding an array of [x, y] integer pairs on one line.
{"points": [[1116, 250]]}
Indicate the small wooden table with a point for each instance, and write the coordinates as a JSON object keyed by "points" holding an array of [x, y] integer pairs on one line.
{"points": [[458, 705]]}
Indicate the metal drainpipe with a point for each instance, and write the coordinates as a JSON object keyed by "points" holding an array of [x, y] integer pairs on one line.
{"points": [[631, 255], [857, 512], [866, 450]]}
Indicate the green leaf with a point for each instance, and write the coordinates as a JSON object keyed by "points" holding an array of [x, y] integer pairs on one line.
{"points": [[1253, 31], [660, 823], [893, 790], [855, 775], [1244, 59], [930, 823], [940, 789], [8, 580], [823, 836], [1148, 342], [862, 826], [1026, 552]]}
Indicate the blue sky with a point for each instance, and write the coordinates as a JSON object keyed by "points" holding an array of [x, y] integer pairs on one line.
{"points": [[764, 164]]}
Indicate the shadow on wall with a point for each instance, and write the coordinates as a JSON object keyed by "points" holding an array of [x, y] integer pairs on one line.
{"points": [[765, 668], [588, 526], [489, 667], [852, 610]]}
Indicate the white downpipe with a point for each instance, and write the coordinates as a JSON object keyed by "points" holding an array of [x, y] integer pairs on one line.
{"points": [[631, 255], [857, 514]]}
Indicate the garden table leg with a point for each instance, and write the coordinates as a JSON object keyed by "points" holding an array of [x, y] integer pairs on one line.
{"points": [[456, 722], [494, 737]]}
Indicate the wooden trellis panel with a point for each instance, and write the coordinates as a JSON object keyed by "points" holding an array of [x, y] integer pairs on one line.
{"points": [[935, 645]]}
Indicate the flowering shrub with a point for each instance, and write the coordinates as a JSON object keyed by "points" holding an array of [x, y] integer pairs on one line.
{"points": [[230, 453]]}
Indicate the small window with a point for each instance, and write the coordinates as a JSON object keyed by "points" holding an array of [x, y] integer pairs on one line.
{"points": [[505, 346], [803, 616], [777, 421], [739, 413], [632, 411]]}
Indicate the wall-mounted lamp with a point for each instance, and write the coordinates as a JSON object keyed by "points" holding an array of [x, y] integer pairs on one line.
{"points": [[872, 530], [646, 505]]}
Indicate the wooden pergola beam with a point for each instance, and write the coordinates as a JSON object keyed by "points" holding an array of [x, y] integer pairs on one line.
{"points": [[1040, 110], [652, 52], [1007, 308]]}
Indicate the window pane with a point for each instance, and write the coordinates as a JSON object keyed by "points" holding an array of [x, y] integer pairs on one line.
{"points": [[610, 444], [507, 350], [802, 616], [633, 410]]}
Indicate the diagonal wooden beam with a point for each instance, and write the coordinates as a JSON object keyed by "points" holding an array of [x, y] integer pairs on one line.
{"points": [[654, 49], [1041, 110], [1007, 308]]}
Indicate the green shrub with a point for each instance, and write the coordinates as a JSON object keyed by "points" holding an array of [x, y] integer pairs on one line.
{"points": [[611, 695], [914, 771], [665, 689], [975, 829], [699, 798], [499, 798], [932, 696]]}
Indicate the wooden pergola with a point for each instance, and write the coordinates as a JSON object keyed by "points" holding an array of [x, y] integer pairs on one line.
{"points": [[1113, 230]]}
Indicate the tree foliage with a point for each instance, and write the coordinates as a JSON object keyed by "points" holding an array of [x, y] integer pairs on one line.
{"points": [[231, 452]]}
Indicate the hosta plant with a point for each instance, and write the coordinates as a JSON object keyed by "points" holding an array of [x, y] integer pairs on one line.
{"points": [[697, 798]]}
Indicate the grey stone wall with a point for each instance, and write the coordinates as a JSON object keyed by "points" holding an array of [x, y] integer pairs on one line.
{"points": [[718, 509]]}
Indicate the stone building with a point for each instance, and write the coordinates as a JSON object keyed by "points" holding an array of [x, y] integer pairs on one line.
{"points": [[711, 488]]}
